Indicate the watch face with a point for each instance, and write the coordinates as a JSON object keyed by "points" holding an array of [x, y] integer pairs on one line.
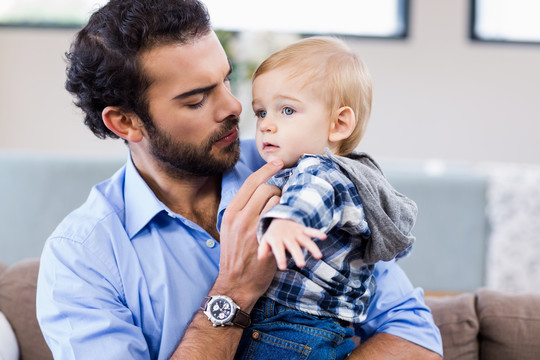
{"points": [[221, 310]]}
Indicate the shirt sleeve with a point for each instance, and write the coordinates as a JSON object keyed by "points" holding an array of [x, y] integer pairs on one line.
{"points": [[399, 309], [306, 199], [80, 307]]}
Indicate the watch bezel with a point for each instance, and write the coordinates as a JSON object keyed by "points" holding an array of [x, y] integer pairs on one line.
{"points": [[221, 322]]}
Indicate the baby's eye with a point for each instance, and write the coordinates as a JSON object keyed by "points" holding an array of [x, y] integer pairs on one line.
{"points": [[288, 111], [260, 114]]}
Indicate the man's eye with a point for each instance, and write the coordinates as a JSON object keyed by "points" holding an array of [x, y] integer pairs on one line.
{"points": [[288, 111], [199, 104]]}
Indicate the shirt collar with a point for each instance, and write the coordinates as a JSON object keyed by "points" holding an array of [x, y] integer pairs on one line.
{"points": [[141, 203]]}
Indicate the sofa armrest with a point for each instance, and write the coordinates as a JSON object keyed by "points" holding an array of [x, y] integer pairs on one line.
{"points": [[18, 304]]}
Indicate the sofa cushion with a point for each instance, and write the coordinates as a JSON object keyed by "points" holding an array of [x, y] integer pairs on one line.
{"points": [[18, 303], [456, 318], [3, 267], [43, 188], [509, 325]]}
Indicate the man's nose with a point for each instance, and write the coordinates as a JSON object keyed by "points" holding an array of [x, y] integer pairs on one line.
{"points": [[229, 105]]}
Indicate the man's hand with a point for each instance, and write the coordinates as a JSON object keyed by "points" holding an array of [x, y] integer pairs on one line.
{"points": [[241, 275], [286, 235]]}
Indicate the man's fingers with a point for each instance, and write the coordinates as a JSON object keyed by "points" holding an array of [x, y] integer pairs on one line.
{"points": [[260, 197], [273, 201], [252, 183]]}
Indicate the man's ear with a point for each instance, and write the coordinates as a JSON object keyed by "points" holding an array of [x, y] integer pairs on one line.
{"points": [[342, 125], [126, 125]]}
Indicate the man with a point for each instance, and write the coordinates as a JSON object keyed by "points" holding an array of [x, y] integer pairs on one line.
{"points": [[123, 277]]}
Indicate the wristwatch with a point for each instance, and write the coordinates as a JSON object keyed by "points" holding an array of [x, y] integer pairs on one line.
{"points": [[222, 310]]}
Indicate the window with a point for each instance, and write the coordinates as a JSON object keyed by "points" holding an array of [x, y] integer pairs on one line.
{"points": [[368, 18], [47, 13], [506, 20]]}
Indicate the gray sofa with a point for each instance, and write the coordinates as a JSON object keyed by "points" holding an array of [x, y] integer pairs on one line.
{"points": [[37, 191], [488, 325], [484, 324]]}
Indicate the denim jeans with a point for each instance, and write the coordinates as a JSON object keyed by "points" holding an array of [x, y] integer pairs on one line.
{"points": [[279, 332]]}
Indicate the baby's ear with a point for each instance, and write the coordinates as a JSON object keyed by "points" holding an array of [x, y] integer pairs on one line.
{"points": [[126, 125], [342, 124]]}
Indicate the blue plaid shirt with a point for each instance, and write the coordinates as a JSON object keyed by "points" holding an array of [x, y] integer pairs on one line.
{"points": [[317, 194]]}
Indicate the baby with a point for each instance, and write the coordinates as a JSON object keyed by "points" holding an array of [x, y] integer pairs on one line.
{"points": [[337, 215]]}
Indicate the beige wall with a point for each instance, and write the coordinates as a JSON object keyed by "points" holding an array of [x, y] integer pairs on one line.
{"points": [[437, 94], [36, 112]]}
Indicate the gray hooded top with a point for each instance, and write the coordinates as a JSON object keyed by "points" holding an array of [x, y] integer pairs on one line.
{"points": [[390, 215]]}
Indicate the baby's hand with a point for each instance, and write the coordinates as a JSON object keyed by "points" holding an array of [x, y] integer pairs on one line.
{"points": [[286, 235]]}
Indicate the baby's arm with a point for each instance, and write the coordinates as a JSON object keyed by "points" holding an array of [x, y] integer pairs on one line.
{"points": [[307, 210], [287, 235]]}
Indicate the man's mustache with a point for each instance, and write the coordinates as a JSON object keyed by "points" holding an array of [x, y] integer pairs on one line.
{"points": [[228, 125]]}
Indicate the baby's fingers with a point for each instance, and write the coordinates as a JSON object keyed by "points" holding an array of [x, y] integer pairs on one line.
{"points": [[315, 233], [278, 249], [264, 250], [296, 252], [310, 246]]}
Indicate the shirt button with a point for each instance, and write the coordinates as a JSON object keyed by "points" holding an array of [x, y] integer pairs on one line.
{"points": [[210, 243], [171, 214]]}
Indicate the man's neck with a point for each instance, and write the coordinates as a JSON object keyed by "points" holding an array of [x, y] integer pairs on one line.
{"points": [[194, 197]]}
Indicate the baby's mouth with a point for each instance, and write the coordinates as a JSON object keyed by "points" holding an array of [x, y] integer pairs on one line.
{"points": [[269, 146]]}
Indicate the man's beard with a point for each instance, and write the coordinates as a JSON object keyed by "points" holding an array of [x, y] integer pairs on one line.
{"points": [[181, 159]]}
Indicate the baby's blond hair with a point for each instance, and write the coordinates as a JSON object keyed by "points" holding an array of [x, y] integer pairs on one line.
{"points": [[336, 74]]}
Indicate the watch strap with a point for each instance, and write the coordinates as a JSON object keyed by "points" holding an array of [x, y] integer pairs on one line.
{"points": [[242, 319], [205, 302]]}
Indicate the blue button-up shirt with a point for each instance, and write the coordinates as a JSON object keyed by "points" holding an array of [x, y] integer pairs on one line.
{"points": [[122, 276]]}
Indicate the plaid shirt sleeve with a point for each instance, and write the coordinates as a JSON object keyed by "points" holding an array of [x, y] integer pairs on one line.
{"points": [[316, 194]]}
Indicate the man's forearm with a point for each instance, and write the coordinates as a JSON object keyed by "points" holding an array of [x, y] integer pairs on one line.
{"points": [[385, 346], [240, 273], [203, 341]]}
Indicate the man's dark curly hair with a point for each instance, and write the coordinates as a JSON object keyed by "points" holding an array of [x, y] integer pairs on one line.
{"points": [[104, 59]]}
